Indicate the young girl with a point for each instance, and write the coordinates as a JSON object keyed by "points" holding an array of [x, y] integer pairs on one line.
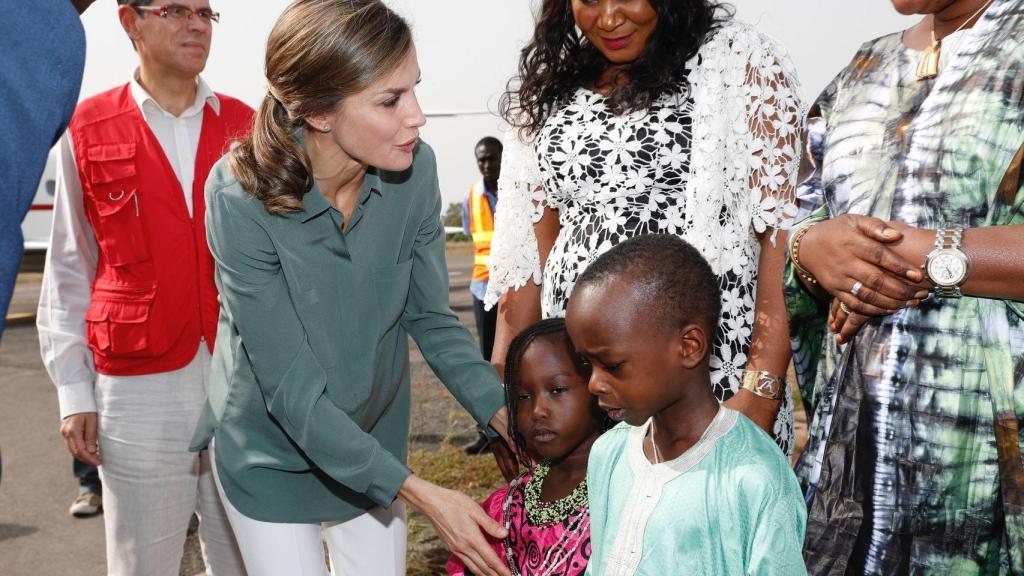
{"points": [[554, 421]]}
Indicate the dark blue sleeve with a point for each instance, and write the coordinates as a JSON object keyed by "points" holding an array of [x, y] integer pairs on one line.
{"points": [[43, 47]]}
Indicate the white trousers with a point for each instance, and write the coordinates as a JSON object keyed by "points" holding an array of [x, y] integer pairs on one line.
{"points": [[151, 482], [369, 545]]}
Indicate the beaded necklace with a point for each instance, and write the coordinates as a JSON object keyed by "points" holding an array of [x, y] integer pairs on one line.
{"points": [[571, 539], [539, 512]]}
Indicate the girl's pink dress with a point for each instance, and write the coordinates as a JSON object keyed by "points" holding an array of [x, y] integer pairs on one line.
{"points": [[537, 550]]}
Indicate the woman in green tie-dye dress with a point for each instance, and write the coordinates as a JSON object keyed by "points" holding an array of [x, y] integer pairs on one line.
{"points": [[914, 462]]}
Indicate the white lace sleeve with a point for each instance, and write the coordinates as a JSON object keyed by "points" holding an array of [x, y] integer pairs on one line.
{"points": [[515, 259], [775, 115]]}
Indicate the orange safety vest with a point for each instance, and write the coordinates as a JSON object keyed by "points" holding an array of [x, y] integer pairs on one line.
{"points": [[481, 226]]}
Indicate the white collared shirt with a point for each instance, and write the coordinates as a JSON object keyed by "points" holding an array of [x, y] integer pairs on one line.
{"points": [[178, 135], [73, 254]]}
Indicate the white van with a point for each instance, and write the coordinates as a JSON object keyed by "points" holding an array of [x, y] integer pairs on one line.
{"points": [[39, 220]]}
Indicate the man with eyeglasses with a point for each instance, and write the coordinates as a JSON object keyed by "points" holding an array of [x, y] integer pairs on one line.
{"points": [[128, 310]]}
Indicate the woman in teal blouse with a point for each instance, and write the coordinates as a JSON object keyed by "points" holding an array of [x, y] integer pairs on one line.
{"points": [[325, 226]]}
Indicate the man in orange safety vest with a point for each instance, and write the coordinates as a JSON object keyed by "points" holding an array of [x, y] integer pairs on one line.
{"points": [[478, 222]]}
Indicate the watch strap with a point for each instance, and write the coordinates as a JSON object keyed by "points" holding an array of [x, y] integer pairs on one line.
{"points": [[949, 238]]}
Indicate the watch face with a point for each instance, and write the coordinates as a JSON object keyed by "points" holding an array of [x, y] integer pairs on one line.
{"points": [[947, 268]]}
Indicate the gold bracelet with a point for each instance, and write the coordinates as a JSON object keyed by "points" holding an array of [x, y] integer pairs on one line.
{"points": [[794, 253], [764, 384]]}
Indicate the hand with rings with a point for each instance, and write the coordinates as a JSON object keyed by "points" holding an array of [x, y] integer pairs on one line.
{"points": [[852, 259], [844, 321]]}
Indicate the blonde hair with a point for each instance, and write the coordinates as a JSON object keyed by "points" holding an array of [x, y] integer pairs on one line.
{"points": [[319, 53]]}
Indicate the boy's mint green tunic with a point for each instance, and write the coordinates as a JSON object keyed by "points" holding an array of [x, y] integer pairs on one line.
{"points": [[730, 505], [309, 393]]}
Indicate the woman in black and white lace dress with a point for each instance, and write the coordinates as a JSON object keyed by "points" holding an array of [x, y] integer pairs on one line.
{"points": [[654, 116]]}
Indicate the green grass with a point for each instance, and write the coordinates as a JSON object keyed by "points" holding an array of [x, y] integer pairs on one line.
{"points": [[448, 466]]}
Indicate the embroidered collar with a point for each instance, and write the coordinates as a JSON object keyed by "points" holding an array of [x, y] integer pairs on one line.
{"points": [[720, 425]]}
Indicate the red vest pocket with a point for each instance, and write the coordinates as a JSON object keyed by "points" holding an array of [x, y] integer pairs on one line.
{"points": [[118, 319], [119, 230], [114, 193], [110, 162]]}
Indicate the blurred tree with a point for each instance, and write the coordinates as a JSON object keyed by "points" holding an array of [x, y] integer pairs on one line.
{"points": [[453, 217]]}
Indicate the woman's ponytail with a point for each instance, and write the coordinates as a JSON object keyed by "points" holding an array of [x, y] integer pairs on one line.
{"points": [[270, 164], [319, 53]]}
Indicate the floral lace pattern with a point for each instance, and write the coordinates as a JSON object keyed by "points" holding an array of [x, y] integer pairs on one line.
{"points": [[713, 162]]}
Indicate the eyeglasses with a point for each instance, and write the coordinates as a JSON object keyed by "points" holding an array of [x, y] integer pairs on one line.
{"points": [[179, 13]]}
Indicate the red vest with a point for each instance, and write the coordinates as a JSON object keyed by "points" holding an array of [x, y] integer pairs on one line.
{"points": [[154, 297]]}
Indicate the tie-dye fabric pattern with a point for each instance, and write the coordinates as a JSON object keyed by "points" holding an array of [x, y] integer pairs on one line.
{"points": [[914, 462]]}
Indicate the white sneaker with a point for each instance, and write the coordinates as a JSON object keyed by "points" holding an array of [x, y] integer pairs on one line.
{"points": [[86, 504]]}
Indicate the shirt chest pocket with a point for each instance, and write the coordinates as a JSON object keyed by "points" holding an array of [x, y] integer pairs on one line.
{"points": [[113, 191], [390, 286]]}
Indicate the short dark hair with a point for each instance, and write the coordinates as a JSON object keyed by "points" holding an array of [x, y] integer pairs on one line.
{"points": [[674, 281], [134, 2], [489, 141]]}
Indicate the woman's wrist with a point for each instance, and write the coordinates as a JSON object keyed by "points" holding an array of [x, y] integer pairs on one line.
{"points": [[764, 384], [795, 241], [414, 492], [499, 422], [915, 244], [761, 411]]}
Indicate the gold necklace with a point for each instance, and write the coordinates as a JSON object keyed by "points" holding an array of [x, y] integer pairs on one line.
{"points": [[928, 68]]}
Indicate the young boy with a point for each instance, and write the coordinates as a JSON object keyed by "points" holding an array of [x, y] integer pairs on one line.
{"points": [[683, 484]]}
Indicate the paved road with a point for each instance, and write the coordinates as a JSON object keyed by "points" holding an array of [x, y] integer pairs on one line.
{"points": [[37, 536]]}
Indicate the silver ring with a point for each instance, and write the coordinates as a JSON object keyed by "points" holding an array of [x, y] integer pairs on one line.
{"points": [[856, 288], [844, 307]]}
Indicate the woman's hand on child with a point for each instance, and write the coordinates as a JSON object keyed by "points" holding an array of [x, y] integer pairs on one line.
{"points": [[458, 520]]}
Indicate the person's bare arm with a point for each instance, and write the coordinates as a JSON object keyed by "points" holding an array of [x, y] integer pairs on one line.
{"points": [[996, 254], [769, 344], [521, 307], [775, 119]]}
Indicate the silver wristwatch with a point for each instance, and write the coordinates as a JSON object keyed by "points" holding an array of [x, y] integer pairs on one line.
{"points": [[947, 265]]}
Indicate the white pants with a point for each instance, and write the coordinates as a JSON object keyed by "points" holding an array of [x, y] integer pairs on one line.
{"points": [[369, 545], [151, 482]]}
